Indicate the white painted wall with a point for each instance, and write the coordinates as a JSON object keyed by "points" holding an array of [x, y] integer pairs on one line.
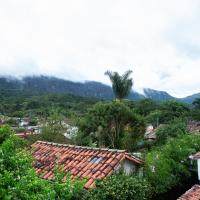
{"points": [[198, 167], [128, 167]]}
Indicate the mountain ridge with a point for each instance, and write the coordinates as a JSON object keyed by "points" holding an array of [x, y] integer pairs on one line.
{"points": [[50, 84]]}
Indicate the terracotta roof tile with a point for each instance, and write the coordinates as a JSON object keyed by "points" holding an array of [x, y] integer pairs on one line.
{"points": [[83, 162], [195, 156], [192, 194]]}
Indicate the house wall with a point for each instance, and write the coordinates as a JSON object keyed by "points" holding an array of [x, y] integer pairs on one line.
{"points": [[198, 165], [127, 167]]}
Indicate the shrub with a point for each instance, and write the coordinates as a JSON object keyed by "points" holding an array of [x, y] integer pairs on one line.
{"points": [[120, 187], [18, 180]]}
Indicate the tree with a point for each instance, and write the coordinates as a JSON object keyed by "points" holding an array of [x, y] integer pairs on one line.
{"points": [[195, 111], [145, 106], [171, 130], [154, 117], [110, 124], [121, 85], [171, 110], [52, 130]]}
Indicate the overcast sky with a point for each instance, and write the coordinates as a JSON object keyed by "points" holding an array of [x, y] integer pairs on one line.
{"points": [[80, 39]]}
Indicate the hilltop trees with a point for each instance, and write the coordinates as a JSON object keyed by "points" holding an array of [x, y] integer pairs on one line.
{"points": [[196, 103], [195, 112], [171, 110], [121, 85]]}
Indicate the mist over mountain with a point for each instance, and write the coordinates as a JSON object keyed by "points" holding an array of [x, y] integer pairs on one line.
{"points": [[47, 84]]}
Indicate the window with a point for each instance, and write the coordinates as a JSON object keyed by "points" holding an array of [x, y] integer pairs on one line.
{"points": [[96, 160]]}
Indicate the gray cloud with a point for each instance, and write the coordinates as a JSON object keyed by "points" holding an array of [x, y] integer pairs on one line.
{"points": [[81, 39]]}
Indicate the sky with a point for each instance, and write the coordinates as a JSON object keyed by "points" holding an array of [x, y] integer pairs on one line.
{"points": [[79, 40]]}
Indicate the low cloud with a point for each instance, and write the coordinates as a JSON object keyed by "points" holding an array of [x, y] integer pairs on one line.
{"points": [[80, 40]]}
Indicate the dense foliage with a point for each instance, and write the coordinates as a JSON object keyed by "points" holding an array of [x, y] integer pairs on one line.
{"points": [[171, 110], [173, 129], [111, 124], [120, 187], [196, 110], [168, 165], [26, 104], [18, 180]]}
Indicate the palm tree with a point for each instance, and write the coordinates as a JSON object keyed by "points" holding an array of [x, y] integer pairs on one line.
{"points": [[121, 85]]}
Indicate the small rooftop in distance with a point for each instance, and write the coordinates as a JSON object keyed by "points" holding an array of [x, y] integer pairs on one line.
{"points": [[83, 162], [196, 156], [192, 194]]}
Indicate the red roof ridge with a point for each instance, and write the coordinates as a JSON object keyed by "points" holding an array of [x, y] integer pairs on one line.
{"points": [[80, 147], [133, 158]]}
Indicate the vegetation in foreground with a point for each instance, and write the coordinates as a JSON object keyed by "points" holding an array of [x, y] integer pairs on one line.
{"points": [[18, 179]]}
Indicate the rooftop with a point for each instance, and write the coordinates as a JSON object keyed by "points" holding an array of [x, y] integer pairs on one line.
{"points": [[196, 156], [192, 194], [83, 162]]}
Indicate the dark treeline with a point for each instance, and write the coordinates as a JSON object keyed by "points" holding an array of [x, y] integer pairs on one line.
{"points": [[34, 104]]}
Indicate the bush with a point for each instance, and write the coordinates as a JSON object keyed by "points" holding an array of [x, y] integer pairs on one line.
{"points": [[120, 187], [18, 180], [5, 133]]}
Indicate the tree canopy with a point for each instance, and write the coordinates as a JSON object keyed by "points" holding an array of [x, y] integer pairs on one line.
{"points": [[112, 125], [121, 85]]}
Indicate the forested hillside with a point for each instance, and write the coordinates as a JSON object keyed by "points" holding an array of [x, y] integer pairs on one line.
{"points": [[24, 103], [52, 85]]}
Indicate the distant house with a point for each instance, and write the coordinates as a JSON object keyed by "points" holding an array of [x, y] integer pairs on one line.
{"points": [[71, 132], [197, 158], [194, 192], [1, 121], [194, 126], [24, 122], [83, 162], [150, 134]]}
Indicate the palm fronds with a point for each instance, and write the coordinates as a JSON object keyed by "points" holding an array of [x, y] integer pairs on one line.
{"points": [[121, 85]]}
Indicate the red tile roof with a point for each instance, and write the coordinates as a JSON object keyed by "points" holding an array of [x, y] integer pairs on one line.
{"points": [[192, 194], [83, 162], [196, 156]]}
